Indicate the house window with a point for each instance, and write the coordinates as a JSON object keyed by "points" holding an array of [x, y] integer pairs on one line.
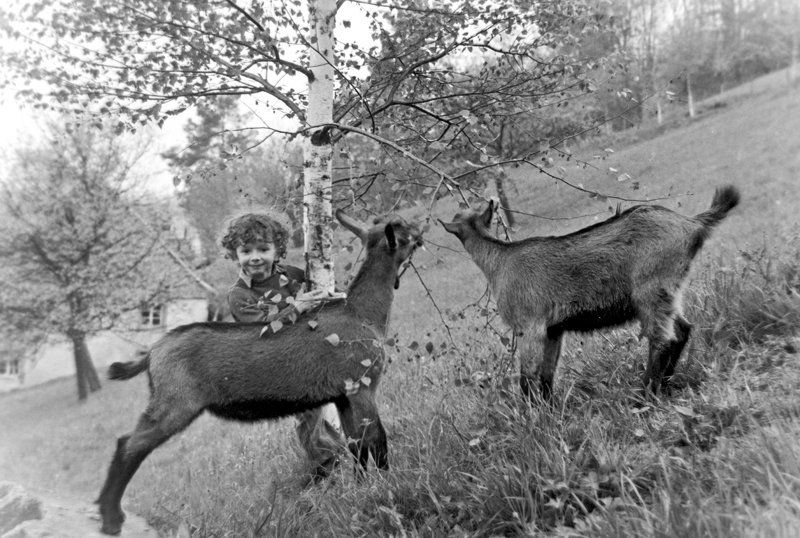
{"points": [[151, 316], [10, 368]]}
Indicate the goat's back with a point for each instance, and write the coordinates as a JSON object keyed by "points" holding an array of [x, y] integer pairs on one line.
{"points": [[596, 269], [227, 362]]}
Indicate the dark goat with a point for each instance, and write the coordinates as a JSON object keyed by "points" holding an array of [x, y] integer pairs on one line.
{"points": [[232, 372], [632, 266]]}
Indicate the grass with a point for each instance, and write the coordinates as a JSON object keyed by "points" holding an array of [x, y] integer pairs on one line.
{"points": [[720, 456]]}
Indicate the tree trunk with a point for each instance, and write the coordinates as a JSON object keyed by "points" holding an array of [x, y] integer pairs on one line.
{"points": [[690, 95], [659, 112], [85, 372], [793, 66], [318, 152], [499, 176], [504, 203]]}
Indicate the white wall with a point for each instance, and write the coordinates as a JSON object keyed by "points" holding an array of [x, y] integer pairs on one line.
{"points": [[55, 359]]}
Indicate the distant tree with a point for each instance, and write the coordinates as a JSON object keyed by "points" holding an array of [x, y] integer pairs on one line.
{"points": [[223, 168], [152, 59], [79, 246]]}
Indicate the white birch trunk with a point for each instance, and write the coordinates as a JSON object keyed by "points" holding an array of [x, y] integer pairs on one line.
{"points": [[317, 161], [659, 111], [690, 95], [318, 152], [793, 66]]}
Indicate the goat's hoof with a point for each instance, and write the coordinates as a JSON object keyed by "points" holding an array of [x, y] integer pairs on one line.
{"points": [[112, 524], [111, 528]]}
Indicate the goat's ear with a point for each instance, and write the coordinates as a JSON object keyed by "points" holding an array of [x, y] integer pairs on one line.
{"points": [[390, 237], [451, 227], [486, 217], [352, 224]]}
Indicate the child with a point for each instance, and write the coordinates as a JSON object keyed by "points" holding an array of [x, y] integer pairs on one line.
{"points": [[257, 242]]}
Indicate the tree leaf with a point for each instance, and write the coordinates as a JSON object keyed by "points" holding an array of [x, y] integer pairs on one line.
{"points": [[685, 411], [333, 339], [276, 325], [312, 324], [350, 387]]}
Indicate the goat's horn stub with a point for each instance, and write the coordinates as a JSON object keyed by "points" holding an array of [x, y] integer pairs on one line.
{"points": [[451, 227], [352, 224], [390, 237], [486, 217]]}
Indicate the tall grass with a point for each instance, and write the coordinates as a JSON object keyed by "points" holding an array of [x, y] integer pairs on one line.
{"points": [[707, 461], [756, 297]]}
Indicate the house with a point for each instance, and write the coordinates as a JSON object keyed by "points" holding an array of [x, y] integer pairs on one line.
{"points": [[132, 335]]}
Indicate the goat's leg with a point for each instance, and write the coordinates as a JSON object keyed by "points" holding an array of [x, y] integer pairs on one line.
{"points": [[538, 361], [363, 429], [114, 467], [658, 317], [320, 441], [131, 451], [657, 360], [682, 331], [550, 354]]}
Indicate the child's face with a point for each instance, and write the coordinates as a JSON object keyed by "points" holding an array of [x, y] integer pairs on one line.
{"points": [[256, 259]]}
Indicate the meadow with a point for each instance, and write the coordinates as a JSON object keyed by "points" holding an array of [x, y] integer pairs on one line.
{"points": [[719, 456]]}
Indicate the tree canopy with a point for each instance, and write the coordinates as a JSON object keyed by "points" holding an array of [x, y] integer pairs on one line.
{"points": [[431, 79], [79, 247]]}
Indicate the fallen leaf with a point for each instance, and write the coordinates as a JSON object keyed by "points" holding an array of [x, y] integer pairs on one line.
{"points": [[333, 339], [684, 411]]}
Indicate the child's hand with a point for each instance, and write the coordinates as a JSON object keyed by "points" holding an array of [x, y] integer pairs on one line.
{"points": [[269, 301], [305, 301]]}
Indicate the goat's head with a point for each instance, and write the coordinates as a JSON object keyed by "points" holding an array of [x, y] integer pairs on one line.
{"points": [[467, 223], [397, 238]]}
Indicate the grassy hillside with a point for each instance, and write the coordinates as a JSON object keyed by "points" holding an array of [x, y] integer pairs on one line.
{"points": [[718, 457]]}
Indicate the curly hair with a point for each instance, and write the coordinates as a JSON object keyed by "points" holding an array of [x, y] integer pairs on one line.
{"points": [[252, 228]]}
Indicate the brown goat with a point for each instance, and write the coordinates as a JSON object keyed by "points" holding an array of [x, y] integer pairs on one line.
{"points": [[230, 371], [631, 266]]}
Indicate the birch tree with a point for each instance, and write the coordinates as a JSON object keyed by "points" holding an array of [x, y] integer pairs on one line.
{"points": [[407, 86], [78, 249]]}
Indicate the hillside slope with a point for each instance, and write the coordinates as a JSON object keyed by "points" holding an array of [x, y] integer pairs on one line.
{"points": [[751, 143]]}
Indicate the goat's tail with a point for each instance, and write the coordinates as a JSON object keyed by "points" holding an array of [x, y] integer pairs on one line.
{"points": [[127, 370], [725, 199]]}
